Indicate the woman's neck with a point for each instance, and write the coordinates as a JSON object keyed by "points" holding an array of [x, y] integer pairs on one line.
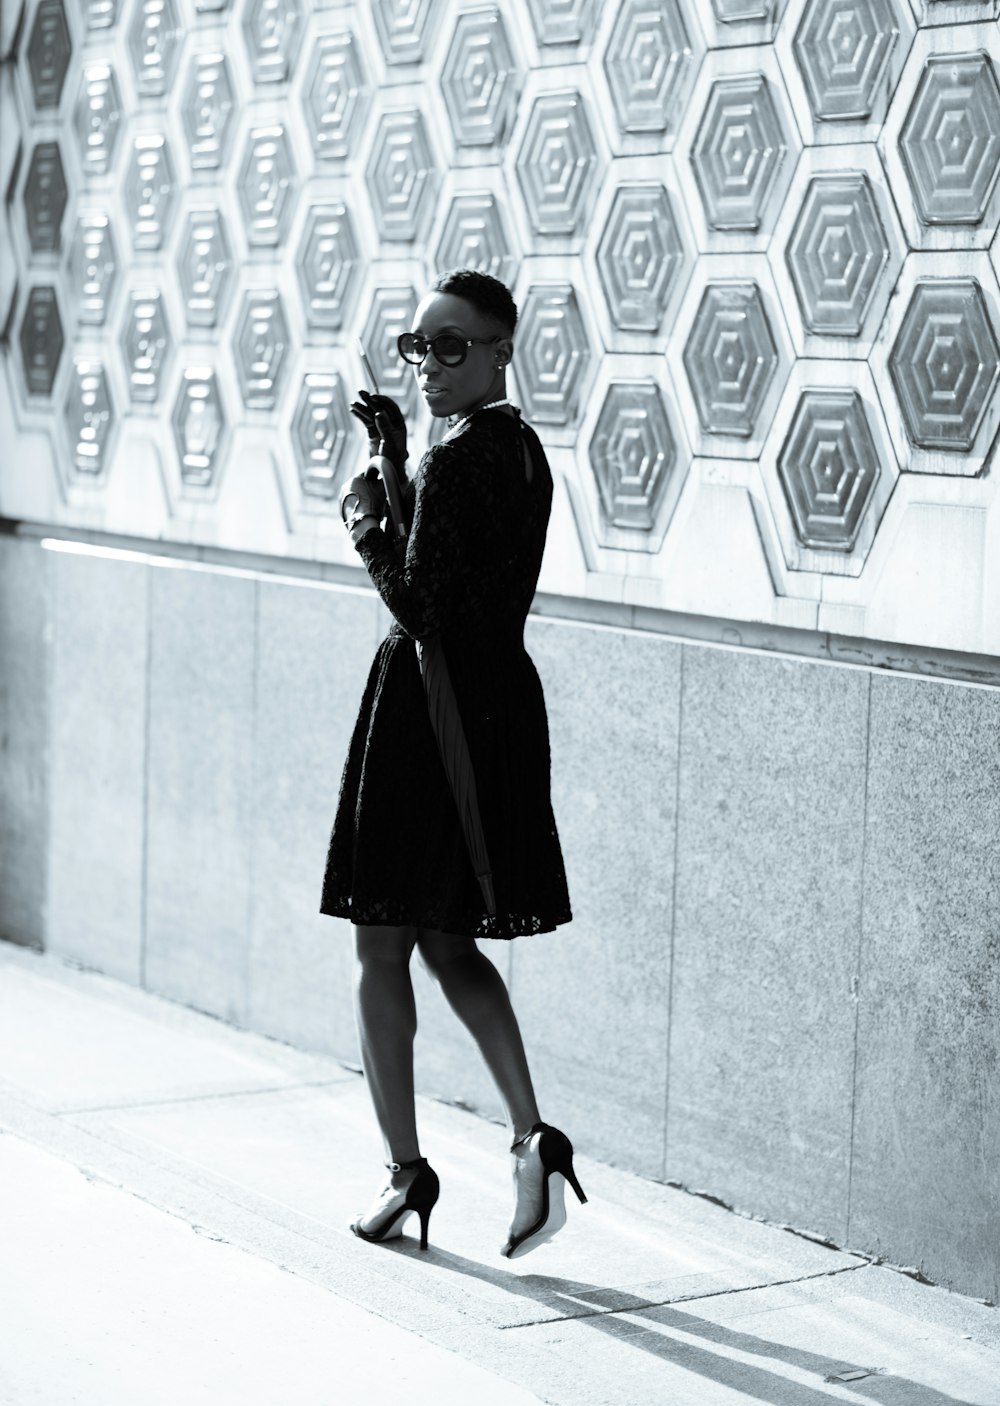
{"points": [[498, 391]]}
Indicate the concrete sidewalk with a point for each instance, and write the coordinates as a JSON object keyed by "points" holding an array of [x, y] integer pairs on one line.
{"points": [[173, 1228]]}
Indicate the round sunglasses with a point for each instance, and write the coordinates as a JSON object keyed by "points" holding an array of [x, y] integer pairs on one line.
{"points": [[449, 349]]}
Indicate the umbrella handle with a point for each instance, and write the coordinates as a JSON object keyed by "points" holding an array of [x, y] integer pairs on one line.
{"points": [[390, 483]]}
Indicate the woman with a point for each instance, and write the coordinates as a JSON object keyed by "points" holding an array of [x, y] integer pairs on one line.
{"points": [[398, 865]]}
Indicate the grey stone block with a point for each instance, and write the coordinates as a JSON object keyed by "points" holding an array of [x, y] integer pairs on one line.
{"points": [[593, 997], [767, 927], [199, 823], [97, 761], [925, 1188], [24, 701], [315, 646]]}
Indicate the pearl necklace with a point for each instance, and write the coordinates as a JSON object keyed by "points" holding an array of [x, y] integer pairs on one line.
{"points": [[493, 405]]}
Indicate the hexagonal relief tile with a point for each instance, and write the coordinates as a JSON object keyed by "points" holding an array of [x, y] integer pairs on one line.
{"points": [[402, 179], [41, 339], [45, 197], [205, 267], [479, 79], [738, 151], [639, 255], [154, 42], [553, 354], [261, 346], [828, 467], [405, 28], [321, 437], [99, 15], [207, 110], [563, 21], [49, 51], [336, 95], [199, 428], [326, 263], [266, 185], [92, 268], [150, 190], [475, 236], [730, 357], [633, 453], [272, 32], [945, 363], [950, 141], [557, 163], [647, 63], [836, 253], [842, 49], [146, 345], [97, 118], [89, 420]]}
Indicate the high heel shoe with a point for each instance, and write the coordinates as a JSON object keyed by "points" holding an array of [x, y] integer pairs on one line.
{"points": [[421, 1196], [552, 1153]]}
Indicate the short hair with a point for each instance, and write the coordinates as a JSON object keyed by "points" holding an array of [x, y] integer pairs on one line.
{"points": [[486, 294]]}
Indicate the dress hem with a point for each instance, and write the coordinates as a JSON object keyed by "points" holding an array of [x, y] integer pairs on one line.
{"points": [[510, 925]]}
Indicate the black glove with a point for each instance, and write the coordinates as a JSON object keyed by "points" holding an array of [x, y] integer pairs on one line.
{"points": [[384, 423], [363, 496]]}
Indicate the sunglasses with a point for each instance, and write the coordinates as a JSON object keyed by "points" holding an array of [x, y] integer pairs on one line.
{"points": [[448, 348]]}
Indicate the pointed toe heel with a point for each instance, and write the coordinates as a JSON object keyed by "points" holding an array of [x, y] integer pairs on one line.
{"points": [[555, 1153]]}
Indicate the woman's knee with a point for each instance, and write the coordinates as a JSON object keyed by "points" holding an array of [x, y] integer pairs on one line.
{"points": [[439, 951], [379, 945]]}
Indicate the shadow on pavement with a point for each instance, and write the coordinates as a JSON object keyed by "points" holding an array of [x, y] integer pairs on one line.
{"points": [[597, 1307]]}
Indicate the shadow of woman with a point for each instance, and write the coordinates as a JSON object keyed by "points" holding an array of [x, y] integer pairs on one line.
{"points": [[686, 1341]]}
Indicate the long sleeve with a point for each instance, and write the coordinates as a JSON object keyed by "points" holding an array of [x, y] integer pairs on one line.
{"points": [[422, 591]]}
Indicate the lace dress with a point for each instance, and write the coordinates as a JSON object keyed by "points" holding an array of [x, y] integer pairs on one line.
{"points": [[397, 853]]}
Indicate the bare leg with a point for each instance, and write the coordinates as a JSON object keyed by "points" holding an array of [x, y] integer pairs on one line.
{"points": [[476, 992], [386, 1017]]}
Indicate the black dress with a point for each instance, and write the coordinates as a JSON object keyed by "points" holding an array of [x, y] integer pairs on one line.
{"points": [[397, 854]]}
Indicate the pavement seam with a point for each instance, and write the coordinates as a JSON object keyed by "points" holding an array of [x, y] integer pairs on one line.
{"points": [[685, 1298], [72, 1109]]}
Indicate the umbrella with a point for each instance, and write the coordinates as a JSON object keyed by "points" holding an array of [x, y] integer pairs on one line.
{"points": [[445, 717]]}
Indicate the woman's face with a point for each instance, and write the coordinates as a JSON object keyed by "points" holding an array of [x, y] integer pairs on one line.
{"points": [[454, 390]]}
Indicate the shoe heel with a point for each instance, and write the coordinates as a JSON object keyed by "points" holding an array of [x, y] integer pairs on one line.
{"points": [[560, 1159], [570, 1176], [425, 1220]]}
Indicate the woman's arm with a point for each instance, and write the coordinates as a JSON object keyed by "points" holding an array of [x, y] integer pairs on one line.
{"points": [[423, 590]]}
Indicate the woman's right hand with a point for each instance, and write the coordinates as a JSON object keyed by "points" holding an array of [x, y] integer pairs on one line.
{"points": [[362, 497], [384, 424]]}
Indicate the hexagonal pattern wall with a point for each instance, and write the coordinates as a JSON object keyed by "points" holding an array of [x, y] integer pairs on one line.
{"points": [[754, 247]]}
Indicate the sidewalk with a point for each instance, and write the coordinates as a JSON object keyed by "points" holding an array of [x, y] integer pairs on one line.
{"points": [[173, 1228]]}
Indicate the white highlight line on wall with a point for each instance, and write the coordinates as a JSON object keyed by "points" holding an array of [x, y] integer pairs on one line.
{"points": [[186, 563]]}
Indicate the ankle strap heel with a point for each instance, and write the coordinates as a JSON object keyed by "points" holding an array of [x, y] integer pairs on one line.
{"points": [[421, 1196]]}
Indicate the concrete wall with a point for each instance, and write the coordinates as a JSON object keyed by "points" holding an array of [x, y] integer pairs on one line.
{"points": [[781, 985]]}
